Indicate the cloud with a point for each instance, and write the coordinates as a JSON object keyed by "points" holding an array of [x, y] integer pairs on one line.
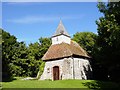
{"points": [[31, 19], [37, 19], [28, 19], [21, 3], [17, 3]]}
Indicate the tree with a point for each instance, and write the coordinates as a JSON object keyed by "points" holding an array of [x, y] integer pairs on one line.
{"points": [[44, 45], [20, 62], [108, 42], [0, 36], [86, 40], [28, 59], [36, 51], [34, 58], [8, 44], [1, 53]]}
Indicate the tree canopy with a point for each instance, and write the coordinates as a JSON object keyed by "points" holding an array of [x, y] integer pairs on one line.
{"points": [[108, 42], [20, 60], [86, 40], [8, 45]]}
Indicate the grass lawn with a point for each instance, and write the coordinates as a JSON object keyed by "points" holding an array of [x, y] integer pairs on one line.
{"points": [[18, 83]]}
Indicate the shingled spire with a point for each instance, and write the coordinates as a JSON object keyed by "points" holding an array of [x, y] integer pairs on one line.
{"points": [[61, 30]]}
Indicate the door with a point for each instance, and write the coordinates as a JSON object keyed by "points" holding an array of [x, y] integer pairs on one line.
{"points": [[55, 73]]}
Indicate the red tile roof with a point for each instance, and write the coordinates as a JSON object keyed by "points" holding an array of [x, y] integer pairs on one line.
{"points": [[64, 50]]}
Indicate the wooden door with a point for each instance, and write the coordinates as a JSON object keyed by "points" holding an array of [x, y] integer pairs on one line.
{"points": [[56, 73]]}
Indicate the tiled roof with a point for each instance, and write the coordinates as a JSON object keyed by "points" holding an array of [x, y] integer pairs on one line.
{"points": [[61, 30], [64, 50]]}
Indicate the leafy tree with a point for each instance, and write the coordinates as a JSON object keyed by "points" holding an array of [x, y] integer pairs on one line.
{"points": [[28, 59], [34, 58], [0, 36], [86, 40], [20, 62], [35, 52], [44, 45], [0, 54], [8, 44], [108, 42]]}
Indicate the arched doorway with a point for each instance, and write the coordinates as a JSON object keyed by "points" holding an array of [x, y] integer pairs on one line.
{"points": [[55, 73]]}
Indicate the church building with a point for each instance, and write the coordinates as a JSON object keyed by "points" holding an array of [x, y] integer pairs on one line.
{"points": [[65, 59]]}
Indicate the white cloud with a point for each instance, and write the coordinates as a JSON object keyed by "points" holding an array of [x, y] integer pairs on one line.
{"points": [[27, 19], [37, 19], [31, 19]]}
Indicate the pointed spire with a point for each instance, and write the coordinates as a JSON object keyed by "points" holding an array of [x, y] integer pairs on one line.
{"points": [[61, 30]]}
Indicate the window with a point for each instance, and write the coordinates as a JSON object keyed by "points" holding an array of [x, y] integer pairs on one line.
{"points": [[48, 70]]}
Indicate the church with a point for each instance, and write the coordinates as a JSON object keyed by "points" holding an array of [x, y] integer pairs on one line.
{"points": [[65, 59]]}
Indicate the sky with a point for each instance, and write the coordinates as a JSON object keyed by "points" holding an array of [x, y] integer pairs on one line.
{"points": [[29, 21]]}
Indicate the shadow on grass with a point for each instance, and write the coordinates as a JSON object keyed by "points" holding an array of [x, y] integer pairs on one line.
{"points": [[102, 85], [8, 80]]}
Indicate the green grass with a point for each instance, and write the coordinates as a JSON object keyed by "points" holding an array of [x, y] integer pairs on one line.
{"points": [[59, 84]]}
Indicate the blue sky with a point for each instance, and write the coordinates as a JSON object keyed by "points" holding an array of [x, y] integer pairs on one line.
{"points": [[29, 21]]}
